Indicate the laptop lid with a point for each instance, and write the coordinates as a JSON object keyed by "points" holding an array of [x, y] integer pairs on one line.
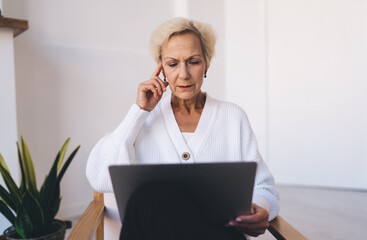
{"points": [[224, 189]]}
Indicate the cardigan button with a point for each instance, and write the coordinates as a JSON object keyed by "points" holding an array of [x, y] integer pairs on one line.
{"points": [[185, 156]]}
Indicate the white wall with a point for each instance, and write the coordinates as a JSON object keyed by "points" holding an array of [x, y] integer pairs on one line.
{"points": [[8, 117], [317, 92], [299, 70], [246, 82]]}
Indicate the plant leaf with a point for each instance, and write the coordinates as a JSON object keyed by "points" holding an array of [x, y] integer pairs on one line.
{"points": [[53, 207], [3, 163], [7, 212], [67, 163], [12, 187], [23, 180], [23, 223], [50, 191], [7, 198], [62, 153], [14, 195], [50, 179], [28, 168], [29, 221]]}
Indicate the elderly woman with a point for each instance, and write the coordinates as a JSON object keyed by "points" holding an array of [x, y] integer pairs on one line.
{"points": [[183, 126]]}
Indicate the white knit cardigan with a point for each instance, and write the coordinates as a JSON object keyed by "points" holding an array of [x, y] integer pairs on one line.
{"points": [[223, 134]]}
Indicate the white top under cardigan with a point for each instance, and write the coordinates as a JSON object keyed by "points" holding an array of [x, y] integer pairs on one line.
{"points": [[223, 134]]}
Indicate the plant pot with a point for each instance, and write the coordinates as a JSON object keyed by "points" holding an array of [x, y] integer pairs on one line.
{"points": [[58, 227]]}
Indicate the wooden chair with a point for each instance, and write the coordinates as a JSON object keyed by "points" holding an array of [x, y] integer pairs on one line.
{"points": [[91, 224]]}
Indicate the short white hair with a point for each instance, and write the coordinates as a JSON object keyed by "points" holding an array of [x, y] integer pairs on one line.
{"points": [[181, 25]]}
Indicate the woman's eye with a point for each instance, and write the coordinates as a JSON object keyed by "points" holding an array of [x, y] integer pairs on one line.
{"points": [[172, 64], [194, 62]]}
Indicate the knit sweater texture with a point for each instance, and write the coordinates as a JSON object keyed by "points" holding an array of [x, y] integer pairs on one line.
{"points": [[223, 134]]}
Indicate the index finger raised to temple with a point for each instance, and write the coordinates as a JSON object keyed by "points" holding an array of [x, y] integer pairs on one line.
{"points": [[157, 71]]}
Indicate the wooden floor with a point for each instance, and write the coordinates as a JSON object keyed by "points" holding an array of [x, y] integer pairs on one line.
{"points": [[323, 214]]}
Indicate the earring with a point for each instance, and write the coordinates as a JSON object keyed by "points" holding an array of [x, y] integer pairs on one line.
{"points": [[205, 74], [165, 79]]}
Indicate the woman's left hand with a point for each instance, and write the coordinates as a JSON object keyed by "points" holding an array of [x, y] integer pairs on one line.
{"points": [[254, 224]]}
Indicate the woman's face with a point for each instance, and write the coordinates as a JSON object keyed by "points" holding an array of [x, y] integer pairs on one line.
{"points": [[184, 65]]}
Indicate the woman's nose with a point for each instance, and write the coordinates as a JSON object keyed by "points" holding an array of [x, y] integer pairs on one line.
{"points": [[184, 72]]}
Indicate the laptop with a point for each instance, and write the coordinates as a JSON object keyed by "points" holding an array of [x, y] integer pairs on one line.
{"points": [[223, 189]]}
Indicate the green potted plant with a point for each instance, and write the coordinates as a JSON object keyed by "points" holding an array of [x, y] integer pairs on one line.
{"points": [[31, 211]]}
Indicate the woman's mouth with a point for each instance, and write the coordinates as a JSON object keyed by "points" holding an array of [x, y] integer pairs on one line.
{"points": [[185, 86]]}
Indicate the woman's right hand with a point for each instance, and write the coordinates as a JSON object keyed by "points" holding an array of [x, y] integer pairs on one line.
{"points": [[151, 91]]}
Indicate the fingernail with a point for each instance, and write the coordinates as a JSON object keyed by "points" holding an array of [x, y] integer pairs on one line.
{"points": [[238, 219], [231, 223]]}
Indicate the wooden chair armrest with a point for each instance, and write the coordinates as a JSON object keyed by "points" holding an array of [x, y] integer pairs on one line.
{"points": [[282, 230], [89, 222]]}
